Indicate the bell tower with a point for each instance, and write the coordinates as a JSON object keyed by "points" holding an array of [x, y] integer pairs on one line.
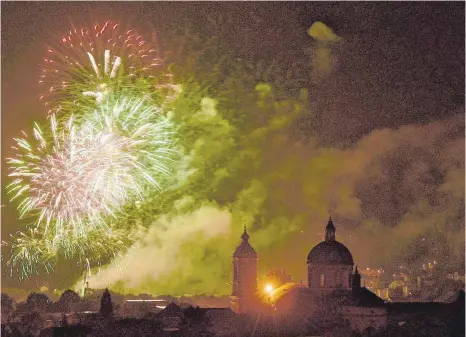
{"points": [[244, 276]]}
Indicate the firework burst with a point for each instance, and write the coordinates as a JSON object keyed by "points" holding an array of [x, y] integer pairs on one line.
{"points": [[33, 252], [89, 63], [84, 172], [28, 253]]}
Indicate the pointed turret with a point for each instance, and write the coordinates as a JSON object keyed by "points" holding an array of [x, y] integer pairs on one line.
{"points": [[356, 280], [245, 249], [245, 236]]}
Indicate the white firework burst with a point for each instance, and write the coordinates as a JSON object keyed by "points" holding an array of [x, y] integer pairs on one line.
{"points": [[84, 173]]}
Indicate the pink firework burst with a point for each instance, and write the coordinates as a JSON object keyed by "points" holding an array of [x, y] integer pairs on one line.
{"points": [[88, 62]]}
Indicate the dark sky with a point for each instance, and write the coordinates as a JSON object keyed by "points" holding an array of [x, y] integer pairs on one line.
{"points": [[398, 63]]}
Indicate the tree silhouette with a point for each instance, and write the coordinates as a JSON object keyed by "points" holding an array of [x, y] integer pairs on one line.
{"points": [[8, 306], [36, 301], [31, 323], [106, 306], [67, 300]]}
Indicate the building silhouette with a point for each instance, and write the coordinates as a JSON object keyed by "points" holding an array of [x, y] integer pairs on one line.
{"points": [[333, 282], [330, 264], [245, 262], [332, 303]]}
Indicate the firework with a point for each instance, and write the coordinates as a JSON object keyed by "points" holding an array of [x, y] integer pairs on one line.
{"points": [[84, 172], [28, 254], [89, 63], [33, 251]]}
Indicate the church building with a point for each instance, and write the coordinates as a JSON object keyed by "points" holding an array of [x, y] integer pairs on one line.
{"points": [[330, 264], [333, 281]]}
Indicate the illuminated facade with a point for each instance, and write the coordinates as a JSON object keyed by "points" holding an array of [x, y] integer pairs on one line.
{"points": [[245, 261]]}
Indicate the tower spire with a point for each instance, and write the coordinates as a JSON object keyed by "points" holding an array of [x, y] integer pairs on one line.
{"points": [[356, 280]]}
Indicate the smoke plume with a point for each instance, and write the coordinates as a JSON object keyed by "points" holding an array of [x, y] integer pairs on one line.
{"points": [[396, 196]]}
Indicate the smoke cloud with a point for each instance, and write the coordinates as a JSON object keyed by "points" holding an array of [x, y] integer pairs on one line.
{"points": [[409, 184], [160, 252], [324, 52], [396, 196]]}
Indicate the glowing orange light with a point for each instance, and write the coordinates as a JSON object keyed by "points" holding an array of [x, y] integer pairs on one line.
{"points": [[268, 288]]}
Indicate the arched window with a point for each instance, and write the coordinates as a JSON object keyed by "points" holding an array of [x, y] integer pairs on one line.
{"points": [[322, 280]]}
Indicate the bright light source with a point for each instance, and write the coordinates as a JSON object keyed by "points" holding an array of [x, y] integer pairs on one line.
{"points": [[268, 288]]}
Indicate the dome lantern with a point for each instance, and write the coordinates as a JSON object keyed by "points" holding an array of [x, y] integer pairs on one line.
{"points": [[330, 231]]}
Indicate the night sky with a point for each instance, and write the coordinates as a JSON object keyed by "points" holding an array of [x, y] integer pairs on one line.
{"points": [[382, 137]]}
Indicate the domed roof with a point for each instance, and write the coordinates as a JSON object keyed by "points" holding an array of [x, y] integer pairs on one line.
{"points": [[245, 250], [330, 251]]}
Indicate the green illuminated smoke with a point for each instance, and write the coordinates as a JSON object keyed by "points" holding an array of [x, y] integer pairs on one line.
{"points": [[249, 170], [244, 163]]}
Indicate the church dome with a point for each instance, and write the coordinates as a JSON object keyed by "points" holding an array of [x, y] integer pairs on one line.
{"points": [[245, 250], [330, 251]]}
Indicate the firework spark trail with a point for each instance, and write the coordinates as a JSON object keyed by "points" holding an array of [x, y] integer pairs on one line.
{"points": [[28, 253], [87, 172], [32, 252], [73, 67]]}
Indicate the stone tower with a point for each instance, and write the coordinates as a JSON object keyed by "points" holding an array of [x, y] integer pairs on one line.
{"points": [[244, 276]]}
